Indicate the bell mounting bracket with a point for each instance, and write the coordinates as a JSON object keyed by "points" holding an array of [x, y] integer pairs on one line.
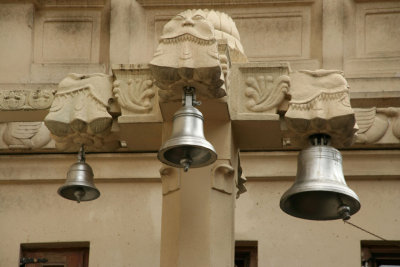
{"points": [[189, 97]]}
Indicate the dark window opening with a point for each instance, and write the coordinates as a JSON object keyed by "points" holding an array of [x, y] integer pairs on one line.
{"points": [[62, 254], [246, 253], [380, 253]]}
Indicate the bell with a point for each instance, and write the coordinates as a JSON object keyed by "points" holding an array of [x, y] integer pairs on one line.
{"points": [[320, 191], [187, 146], [79, 185]]}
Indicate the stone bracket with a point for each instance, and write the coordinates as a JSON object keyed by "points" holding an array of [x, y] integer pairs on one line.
{"points": [[258, 92], [171, 179], [222, 178]]}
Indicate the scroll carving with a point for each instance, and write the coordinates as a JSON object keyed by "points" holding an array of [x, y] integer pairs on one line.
{"points": [[171, 180], [135, 95], [321, 104], [266, 94], [223, 175], [26, 99], [79, 116], [378, 125]]}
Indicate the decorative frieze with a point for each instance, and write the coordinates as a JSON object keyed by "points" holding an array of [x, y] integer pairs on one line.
{"points": [[26, 99], [378, 125]]}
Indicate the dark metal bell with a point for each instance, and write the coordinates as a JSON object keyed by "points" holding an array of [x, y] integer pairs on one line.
{"points": [[79, 185], [187, 146], [320, 191]]}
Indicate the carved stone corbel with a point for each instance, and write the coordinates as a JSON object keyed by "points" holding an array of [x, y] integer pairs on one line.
{"points": [[136, 95], [193, 52], [222, 178], [320, 104], [259, 91], [79, 113], [170, 179]]}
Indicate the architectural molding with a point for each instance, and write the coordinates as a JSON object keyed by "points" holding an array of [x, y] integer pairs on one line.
{"points": [[365, 165], [26, 99]]}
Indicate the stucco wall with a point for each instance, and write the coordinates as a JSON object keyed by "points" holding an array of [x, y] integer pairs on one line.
{"points": [[123, 225]]}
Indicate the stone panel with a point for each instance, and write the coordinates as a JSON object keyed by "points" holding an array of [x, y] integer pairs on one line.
{"points": [[67, 40], [372, 39], [15, 42], [289, 31]]}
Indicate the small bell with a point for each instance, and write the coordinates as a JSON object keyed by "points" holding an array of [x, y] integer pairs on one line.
{"points": [[320, 191], [187, 146], [79, 185]]}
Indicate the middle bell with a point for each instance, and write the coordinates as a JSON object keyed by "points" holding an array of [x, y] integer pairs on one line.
{"points": [[187, 146]]}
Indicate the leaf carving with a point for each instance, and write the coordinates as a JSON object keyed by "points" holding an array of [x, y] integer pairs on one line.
{"points": [[135, 95], [266, 94]]}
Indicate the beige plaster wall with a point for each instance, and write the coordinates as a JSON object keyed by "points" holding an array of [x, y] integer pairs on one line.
{"points": [[122, 226], [287, 241]]}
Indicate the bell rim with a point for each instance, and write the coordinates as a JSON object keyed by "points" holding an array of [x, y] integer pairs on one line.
{"points": [[355, 202], [92, 188], [169, 144]]}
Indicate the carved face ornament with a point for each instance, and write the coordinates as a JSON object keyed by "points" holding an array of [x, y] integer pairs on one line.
{"points": [[192, 23]]}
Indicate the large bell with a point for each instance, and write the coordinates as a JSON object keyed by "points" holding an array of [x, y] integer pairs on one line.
{"points": [[187, 146], [79, 185], [320, 191]]}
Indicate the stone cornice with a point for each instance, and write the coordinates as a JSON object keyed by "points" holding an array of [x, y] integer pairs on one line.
{"points": [[144, 167], [360, 165], [163, 3]]}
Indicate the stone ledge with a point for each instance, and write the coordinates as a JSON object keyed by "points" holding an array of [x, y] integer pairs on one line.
{"points": [[360, 165], [144, 167], [53, 168]]}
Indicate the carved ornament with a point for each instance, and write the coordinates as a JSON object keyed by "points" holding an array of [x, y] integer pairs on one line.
{"points": [[188, 53], [26, 99], [222, 178], [24, 135], [378, 125], [79, 116], [135, 90], [265, 94], [171, 179], [321, 104]]}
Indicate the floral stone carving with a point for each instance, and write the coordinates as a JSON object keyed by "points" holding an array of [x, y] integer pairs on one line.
{"points": [[265, 94], [187, 54], [135, 91], [26, 99], [321, 104], [79, 116]]}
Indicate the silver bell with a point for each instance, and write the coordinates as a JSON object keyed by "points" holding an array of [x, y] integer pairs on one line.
{"points": [[187, 146], [79, 185], [320, 191]]}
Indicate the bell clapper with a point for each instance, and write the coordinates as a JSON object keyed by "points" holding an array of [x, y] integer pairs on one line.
{"points": [[79, 193], [185, 162], [344, 212]]}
